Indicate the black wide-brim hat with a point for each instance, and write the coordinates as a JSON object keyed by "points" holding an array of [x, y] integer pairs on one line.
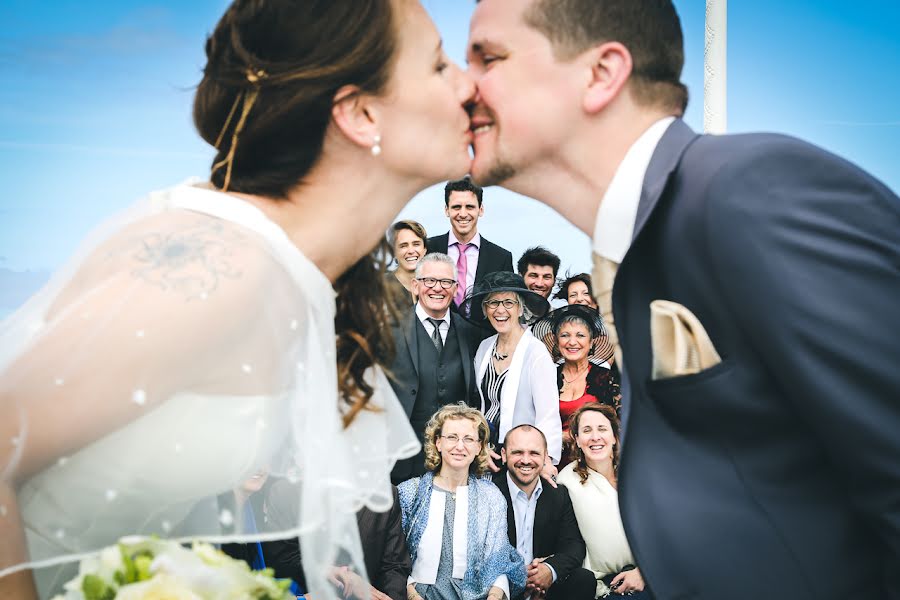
{"points": [[544, 330], [503, 281]]}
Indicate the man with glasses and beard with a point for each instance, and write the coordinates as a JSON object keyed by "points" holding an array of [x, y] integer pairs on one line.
{"points": [[434, 354]]}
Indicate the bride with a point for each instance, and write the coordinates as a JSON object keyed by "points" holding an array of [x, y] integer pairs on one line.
{"points": [[217, 330]]}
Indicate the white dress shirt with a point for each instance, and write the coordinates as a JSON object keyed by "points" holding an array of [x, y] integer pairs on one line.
{"points": [[443, 326], [523, 511], [616, 217], [471, 256]]}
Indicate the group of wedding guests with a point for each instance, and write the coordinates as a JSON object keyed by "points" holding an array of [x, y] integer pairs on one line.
{"points": [[513, 534], [461, 531], [507, 396], [513, 494]]}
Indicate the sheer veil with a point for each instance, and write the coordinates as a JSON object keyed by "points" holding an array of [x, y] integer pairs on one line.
{"points": [[165, 379]]}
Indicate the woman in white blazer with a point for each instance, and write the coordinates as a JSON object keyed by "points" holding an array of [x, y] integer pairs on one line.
{"points": [[515, 375]]}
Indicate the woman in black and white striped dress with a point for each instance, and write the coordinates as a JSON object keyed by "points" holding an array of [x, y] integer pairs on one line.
{"points": [[515, 374]]}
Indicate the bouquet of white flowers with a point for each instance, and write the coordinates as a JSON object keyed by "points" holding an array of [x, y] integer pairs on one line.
{"points": [[154, 569]]}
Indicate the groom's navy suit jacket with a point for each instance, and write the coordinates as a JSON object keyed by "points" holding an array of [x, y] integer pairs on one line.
{"points": [[776, 473]]}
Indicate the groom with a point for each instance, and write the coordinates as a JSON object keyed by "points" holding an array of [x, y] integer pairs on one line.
{"points": [[771, 470]]}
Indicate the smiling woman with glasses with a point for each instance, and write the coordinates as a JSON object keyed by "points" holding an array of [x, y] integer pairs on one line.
{"points": [[454, 519], [514, 372]]}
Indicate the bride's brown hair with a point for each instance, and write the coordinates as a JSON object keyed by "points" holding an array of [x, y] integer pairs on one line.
{"points": [[273, 69]]}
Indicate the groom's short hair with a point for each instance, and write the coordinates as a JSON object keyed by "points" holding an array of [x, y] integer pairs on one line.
{"points": [[650, 29]]}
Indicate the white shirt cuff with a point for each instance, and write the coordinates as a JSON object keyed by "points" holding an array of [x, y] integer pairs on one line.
{"points": [[502, 582]]}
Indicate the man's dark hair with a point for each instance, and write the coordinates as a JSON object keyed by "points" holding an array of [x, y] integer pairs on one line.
{"points": [[650, 29], [462, 185], [539, 257]]}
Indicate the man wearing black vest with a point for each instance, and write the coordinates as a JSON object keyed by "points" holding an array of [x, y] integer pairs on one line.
{"points": [[435, 349]]}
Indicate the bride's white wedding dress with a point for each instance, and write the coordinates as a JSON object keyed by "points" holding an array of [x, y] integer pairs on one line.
{"points": [[189, 346]]}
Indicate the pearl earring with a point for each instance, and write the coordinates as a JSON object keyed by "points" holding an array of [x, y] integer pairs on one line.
{"points": [[376, 145]]}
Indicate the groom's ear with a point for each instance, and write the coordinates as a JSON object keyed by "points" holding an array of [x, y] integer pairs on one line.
{"points": [[352, 114], [610, 66]]}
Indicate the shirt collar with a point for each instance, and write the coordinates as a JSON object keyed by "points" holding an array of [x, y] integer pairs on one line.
{"points": [[614, 227], [515, 490], [420, 312], [475, 241]]}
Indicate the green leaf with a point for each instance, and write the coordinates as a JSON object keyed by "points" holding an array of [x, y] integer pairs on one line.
{"points": [[142, 564], [130, 573], [94, 588]]}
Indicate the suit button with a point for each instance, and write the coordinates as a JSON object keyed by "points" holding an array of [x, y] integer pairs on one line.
{"points": [[414, 392], [442, 391]]}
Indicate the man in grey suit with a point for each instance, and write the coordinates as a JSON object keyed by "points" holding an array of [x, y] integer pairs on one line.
{"points": [[771, 469], [435, 349]]}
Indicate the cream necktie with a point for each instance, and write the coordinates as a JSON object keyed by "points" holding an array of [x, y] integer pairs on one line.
{"points": [[603, 277]]}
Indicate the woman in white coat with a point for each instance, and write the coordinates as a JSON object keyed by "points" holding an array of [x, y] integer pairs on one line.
{"points": [[515, 375]]}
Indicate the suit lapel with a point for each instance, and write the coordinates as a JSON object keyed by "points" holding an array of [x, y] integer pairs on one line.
{"points": [[441, 243], [412, 344], [541, 520], [484, 257], [662, 165], [463, 351]]}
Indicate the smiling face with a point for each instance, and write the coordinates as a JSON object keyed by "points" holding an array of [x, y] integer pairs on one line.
{"points": [[463, 211], [578, 294], [422, 120], [458, 455], [408, 248], [524, 453], [503, 318], [436, 299], [596, 439], [574, 339], [540, 279], [527, 102]]}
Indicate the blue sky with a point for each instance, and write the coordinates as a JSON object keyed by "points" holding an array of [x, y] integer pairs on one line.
{"points": [[96, 96]]}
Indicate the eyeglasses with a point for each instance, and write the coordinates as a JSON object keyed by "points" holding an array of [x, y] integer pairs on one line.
{"points": [[508, 304], [453, 440], [430, 282]]}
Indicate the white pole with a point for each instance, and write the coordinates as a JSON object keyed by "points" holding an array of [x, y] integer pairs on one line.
{"points": [[714, 67]]}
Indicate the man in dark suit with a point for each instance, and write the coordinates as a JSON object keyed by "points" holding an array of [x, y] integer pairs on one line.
{"points": [[541, 521], [773, 473], [435, 349], [473, 255]]}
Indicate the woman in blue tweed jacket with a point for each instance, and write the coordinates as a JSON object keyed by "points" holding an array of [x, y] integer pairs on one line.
{"points": [[454, 520]]}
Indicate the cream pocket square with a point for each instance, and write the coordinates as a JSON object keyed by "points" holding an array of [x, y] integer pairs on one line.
{"points": [[680, 343]]}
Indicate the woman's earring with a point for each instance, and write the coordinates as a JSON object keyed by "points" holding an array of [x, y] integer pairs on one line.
{"points": [[376, 145]]}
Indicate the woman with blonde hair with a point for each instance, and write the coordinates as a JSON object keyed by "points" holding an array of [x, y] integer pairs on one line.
{"points": [[593, 487], [455, 520]]}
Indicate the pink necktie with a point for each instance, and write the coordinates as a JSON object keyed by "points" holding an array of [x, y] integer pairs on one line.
{"points": [[462, 265]]}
